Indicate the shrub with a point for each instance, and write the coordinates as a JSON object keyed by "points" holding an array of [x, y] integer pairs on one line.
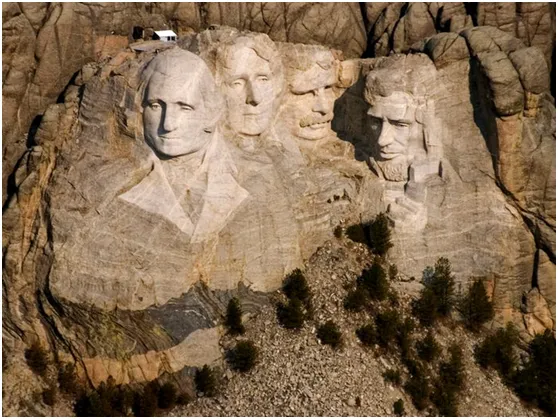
{"points": [[37, 359], [392, 376], [387, 325], [233, 321], [367, 334], [393, 298], [404, 339], [424, 308], [399, 408], [338, 232], [356, 299], [183, 399], [418, 388], [374, 281], [291, 315], [49, 396], [379, 235], [475, 307], [357, 234], [145, 402], [89, 405], [296, 287], [536, 382], [67, 380], [166, 397], [428, 348], [437, 297], [244, 355], [329, 334], [497, 351], [205, 381], [452, 375], [445, 401]]}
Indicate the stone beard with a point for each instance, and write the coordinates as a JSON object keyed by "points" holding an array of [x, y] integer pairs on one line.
{"points": [[310, 98], [251, 80]]}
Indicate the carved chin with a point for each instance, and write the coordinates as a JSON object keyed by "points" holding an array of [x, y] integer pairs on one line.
{"points": [[395, 170]]}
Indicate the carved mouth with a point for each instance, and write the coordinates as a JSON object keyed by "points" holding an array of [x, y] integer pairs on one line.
{"points": [[316, 124]]}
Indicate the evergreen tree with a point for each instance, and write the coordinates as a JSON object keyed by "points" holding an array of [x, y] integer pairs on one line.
{"points": [[234, 318], [379, 235], [475, 307]]}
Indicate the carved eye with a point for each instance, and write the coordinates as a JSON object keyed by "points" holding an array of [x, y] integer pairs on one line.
{"points": [[263, 78], [399, 124], [185, 107], [155, 106], [238, 83]]}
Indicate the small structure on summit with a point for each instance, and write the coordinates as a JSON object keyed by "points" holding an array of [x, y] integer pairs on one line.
{"points": [[165, 36]]}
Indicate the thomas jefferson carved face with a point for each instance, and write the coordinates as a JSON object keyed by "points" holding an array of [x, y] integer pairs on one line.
{"points": [[251, 84], [309, 104], [180, 104]]}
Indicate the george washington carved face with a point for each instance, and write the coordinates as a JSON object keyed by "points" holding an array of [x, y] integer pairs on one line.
{"points": [[180, 103]]}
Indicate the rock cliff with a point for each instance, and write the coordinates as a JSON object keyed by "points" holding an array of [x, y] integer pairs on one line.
{"points": [[166, 178]]}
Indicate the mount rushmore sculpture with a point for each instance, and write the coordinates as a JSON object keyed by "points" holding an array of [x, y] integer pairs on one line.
{"points": [[185, 175]]}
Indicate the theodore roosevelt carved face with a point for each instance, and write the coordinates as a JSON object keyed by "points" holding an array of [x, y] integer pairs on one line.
{"points": [[250, 75], [311, 76], [180, 104]]}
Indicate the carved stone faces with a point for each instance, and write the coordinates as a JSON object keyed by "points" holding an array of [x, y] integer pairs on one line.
{"points": [[180, 104], [394, 123], [251, 81], [310, 100]]}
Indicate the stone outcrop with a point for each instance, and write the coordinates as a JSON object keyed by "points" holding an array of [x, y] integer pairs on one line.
{"points": [[168, 178]]}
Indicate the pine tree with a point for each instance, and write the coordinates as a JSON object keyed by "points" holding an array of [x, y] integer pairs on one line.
{"points": [[379, 235], [475, 307], [234, 318]]}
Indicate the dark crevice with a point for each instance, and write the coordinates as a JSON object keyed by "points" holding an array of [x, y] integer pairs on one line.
{"points": [[472, 10], [35, 124]]}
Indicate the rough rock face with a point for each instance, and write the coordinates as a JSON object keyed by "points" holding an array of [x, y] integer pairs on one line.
{"points": [[44, 45], [180, 181], [170, 178]]}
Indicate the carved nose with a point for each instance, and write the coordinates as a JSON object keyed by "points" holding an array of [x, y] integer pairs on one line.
{"points": [[170, 119], [253, 95], [386, 136], [320, 102]]}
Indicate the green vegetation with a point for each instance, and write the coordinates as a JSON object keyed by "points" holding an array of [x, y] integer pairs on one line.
{"points": [[292, 314], [233, 320], [367, 334], [437, 297], [428, 349], [375, 234], [399, 408], [392, 376], [244, 355], [356, 299], [166, 397], [205, 381], [296, 287], [451, 379], [387, 325], [67, 380], [536, 381], [418, 388], [497, 351], [475, 307], [329, 334], [374, 282]]}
